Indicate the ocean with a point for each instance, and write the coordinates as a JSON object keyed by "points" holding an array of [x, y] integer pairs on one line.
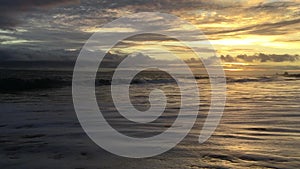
{"points": [[260, 126]]}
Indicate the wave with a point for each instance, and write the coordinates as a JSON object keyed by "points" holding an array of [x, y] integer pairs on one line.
{"points": [[292, 75], [16, 84], [19, 84], [23, 84], [264, 79], [244, 80], [101, 82]]}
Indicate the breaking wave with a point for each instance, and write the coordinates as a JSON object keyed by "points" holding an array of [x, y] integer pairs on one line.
{"points": [[24, 84]]}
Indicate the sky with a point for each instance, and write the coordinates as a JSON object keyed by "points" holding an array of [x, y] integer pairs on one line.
{"points": [[257, 30]]}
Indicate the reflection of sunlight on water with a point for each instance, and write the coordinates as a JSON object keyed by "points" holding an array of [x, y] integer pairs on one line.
{"points": [[243, 147]]}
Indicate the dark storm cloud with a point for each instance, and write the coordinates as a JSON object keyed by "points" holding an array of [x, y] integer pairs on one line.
{"points": [[11, 9]]}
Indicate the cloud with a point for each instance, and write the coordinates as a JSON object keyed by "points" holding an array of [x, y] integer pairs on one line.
{"points": [[273, 6], [11, 9], [275, 28], [69, 26], [26, 54], [261, 57], [264, 28]]}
